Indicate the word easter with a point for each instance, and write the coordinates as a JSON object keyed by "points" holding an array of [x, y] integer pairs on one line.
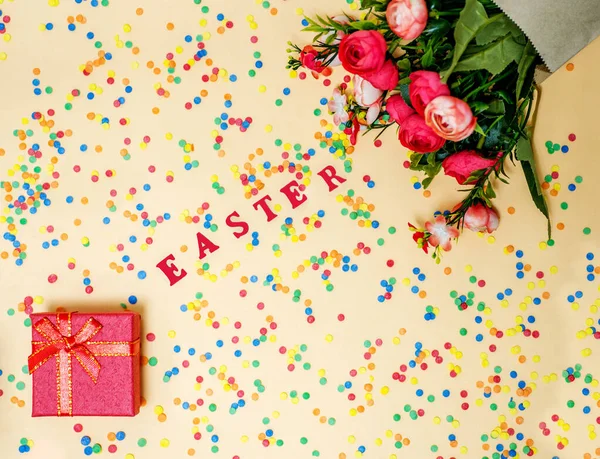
{"points": [[292, 191]]}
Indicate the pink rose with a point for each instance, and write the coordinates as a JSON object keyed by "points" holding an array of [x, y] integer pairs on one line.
{"points": [[398, 109], [309, 59], [362, 52], [480, 217], [407, 18], [450, 118], [424, 87], [386, 78], [366, 95], [417, 136], [461, 165]]}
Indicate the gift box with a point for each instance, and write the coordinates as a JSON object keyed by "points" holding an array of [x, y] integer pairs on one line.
{"points": [[85, 364]]}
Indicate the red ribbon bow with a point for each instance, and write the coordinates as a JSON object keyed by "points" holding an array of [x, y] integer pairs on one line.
{"points": [[60, 342]]}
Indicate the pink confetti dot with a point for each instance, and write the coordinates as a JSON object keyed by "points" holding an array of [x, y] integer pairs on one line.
{"points": [[112, 448], [77, 427], [52, 278], [341, 317], [150, 337]]}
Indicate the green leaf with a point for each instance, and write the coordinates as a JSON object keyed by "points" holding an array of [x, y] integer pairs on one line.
{"points": [[363, 25], [478, 107], [494, 57], [427, 60], [426, 182], [472, 20], [495, 108], [404, 65], [498, 27], [526, 65], [525, 156], [439, 27], [405, 94]]}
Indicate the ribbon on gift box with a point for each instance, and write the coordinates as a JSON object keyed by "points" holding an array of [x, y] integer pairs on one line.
{"points": [[64, 345]]}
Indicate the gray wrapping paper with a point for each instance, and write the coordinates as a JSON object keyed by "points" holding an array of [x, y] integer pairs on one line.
{"points": [[558, 29]]}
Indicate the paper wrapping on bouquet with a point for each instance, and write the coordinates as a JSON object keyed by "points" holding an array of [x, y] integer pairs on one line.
{"points": [[85, 364], [558, 29]]}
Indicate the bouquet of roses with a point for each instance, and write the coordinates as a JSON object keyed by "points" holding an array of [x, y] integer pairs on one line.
{"points": [[456, 77]]}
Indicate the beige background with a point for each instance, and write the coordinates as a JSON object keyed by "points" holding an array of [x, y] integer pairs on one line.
{"points": [[567, 106]]}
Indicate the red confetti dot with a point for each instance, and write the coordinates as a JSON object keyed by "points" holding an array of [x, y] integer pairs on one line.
{"points": [[150, 337], [77, 427], [112, 448], [572, 137], [481, 283], [52, 278], [378, 143]]}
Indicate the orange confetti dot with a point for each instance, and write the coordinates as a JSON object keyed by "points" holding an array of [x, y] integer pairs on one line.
{"points": [[570, 67], [170, 26], [139, 11], [511, 210]]}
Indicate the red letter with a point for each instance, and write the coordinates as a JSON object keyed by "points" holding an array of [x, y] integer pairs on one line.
{"points": [[294, 196], [170, 270], [329, 174], [232, 224], [262, 203], [205, 245]]}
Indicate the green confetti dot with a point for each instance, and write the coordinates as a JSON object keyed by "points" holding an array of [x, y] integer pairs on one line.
{"points": [[304, 440], [142, 442], [23, 441], [11, 312], [331, 421], [317, 112], [97, 448], [564, 205], [578, 179], [152, 361], [315, 453], [570, 403], [323, 381], [20, 385], [279, 102], [27, 322], [397, 417], [380, 241], [463, 332], [212, 407], [587, 230]]}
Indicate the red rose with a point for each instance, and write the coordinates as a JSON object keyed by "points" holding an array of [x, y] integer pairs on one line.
{"points": [[386, 78], [308, 58], [461, 165], [424, 87], [398, 109], [417, 136], [362, 52]]}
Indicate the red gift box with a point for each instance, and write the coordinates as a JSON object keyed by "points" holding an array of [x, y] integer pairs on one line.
{"points": [[85, 364]]}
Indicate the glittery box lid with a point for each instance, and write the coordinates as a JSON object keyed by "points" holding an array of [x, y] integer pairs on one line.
{"points": [[117, 391]]}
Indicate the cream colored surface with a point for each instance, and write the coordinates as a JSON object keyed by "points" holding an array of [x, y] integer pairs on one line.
{"points": [[568, 106]]}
